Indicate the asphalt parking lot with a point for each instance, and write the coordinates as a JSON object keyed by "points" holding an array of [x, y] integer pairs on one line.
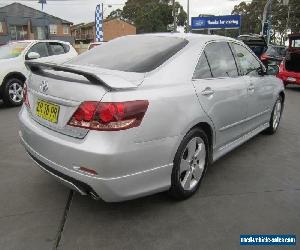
{"points": [[254, 189]]}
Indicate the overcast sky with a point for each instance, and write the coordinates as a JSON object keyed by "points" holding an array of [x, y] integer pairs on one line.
{"points": [[78, 11]]}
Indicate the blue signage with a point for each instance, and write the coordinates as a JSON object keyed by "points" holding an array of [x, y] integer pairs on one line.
{"points": [[217, 22]]}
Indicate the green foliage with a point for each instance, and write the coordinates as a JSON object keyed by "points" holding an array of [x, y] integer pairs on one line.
{"points": [[252, 17], [115, 13], [152, 15]]}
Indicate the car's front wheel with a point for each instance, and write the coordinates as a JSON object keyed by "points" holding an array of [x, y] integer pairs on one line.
{"points": [[13, 92], [276, 116], [190, 164]]}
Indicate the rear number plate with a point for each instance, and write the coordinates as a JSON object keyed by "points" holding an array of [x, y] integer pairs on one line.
{"points": [[47, 110]]}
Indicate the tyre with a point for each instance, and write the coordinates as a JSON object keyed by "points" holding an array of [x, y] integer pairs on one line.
{"points": [[13, 92], [190, 164], [275, 116]]}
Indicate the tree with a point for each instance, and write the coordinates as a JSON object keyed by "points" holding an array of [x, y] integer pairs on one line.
{"points": [[152, 15], [115, 13], [252, 17]]}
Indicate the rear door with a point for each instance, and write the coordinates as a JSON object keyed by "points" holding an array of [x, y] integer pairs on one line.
{"points": [[221, 91], [259, 87]]}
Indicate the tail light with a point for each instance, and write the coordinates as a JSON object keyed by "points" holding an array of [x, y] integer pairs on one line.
{"points": [[109, 116], [25, 95]]}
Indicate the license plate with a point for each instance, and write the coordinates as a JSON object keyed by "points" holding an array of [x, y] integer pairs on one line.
{"points": [[47, 111]]}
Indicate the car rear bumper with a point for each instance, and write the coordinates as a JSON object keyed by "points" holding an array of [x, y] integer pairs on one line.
{"points": [[289, 77], [116, 180]]}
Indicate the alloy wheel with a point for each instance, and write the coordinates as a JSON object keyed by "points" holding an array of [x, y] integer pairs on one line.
{"points": [[192, 163], [15, 92], [277, 114]]}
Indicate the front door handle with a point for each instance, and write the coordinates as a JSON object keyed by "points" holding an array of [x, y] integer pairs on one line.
{"points": [[208, 91]]}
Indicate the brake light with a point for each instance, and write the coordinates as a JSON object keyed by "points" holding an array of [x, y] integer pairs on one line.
{"points": [[25, 95], [109, 116]]}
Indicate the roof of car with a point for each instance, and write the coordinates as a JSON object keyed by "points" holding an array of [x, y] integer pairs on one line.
{"points": [[191, 36], [45, 41]]}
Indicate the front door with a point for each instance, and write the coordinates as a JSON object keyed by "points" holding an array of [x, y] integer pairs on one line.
{"points": [[259, 88]]}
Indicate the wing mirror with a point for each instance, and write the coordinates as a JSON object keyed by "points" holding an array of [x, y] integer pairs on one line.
{"points": [[273, 70], [261, 71], [33, 55]]}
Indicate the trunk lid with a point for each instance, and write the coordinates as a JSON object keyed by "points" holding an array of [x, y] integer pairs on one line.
{"points": [[55, 92]]}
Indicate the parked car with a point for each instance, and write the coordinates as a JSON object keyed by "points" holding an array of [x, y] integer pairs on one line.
{"points": [[256, 43], [151, 121], [289, 70], [274, 54], [95, 44], [13, 72]]}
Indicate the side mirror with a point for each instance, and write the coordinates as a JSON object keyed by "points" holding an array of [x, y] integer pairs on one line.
{"points": [[261, 71], [273, 70], [32, 56]]}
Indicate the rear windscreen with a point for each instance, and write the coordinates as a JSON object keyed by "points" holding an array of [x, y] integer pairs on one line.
{"points": [[132, 53]]}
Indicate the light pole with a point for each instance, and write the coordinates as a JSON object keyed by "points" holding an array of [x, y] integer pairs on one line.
{"points": [[174, 17], [43, 2], [188, 16]]}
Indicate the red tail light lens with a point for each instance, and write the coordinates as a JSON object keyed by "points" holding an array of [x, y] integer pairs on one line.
{"points": [[25, 95], [109, 116]]}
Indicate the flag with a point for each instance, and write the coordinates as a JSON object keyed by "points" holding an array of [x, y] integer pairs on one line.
{"points": [[99, 23]]}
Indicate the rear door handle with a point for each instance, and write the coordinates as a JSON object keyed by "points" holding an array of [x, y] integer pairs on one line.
{"points": [[208, 92]]}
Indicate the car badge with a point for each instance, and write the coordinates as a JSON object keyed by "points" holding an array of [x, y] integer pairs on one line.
{"points": [[44, 86]]}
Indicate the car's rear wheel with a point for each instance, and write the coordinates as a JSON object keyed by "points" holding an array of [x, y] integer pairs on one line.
{"points": [[13, 92], [190, 164], [276, 116]]}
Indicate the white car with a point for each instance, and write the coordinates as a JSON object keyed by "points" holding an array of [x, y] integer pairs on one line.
{"points": [[13, 72]]}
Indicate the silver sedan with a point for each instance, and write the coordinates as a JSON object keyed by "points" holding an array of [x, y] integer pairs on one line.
{"points": [[147, 113]]}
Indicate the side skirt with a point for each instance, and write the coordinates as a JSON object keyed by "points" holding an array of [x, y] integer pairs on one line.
{"points": [[219, 152]]}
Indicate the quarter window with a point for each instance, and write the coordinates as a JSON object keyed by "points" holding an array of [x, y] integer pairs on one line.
{"points": [[1, 27], [247, 62], [221, 60], [202, 70]]}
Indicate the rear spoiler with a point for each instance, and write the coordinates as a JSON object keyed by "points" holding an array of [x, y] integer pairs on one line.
{"points": [[111, 82]]}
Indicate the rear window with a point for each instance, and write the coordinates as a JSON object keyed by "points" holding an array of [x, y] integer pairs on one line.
{"points": [[132, 54]]}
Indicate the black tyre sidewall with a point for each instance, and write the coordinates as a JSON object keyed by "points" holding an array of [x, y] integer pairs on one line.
{"points": [[176, 189], [7, 100]]}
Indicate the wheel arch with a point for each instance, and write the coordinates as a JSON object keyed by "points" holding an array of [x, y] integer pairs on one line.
{"points": [[208, 130], [282, 95]]}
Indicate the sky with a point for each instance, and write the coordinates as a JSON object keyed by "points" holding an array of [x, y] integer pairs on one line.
{"points": [[78, 11]]}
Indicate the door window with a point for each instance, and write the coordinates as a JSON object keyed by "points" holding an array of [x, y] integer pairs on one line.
{"points": [[40, 48], [202, 70], [56, 48], [247, 62], [221, 60]]}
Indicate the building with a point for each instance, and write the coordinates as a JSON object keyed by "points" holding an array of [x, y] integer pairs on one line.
{"points": [[20, 22], [112, 28]]}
